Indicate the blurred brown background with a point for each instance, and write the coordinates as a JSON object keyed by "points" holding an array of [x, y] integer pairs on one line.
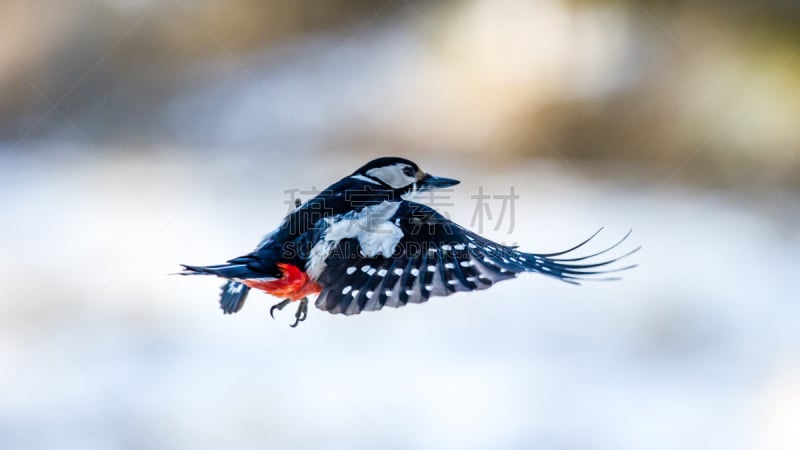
{"points": [[649, 83]]}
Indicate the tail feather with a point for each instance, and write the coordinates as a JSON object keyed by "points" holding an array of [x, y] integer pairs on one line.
{"points": [[568, 270], [233, 296], [234, 293], [221, 270]]}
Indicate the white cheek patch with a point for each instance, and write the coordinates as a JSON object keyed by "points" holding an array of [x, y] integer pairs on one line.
{"points": [[363, 178], [392, 175]]}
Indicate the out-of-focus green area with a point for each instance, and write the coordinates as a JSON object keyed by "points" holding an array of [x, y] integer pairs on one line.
{"points": [[708, 90]]}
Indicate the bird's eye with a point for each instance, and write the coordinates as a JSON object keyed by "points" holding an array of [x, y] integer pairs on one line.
{"points": [[408, 171]]}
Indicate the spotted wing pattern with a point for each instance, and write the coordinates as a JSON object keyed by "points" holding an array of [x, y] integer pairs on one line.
{"points": [[436, 258]]}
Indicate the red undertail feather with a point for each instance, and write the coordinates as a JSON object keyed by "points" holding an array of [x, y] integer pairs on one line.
{"points": [[293, 284]]}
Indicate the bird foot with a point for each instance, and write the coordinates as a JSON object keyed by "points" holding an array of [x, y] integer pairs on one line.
{"points": [[299, 316], [279, 306], [302, 312]]}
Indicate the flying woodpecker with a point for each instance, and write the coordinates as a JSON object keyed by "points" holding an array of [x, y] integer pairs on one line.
{"points": [[363, 244]]}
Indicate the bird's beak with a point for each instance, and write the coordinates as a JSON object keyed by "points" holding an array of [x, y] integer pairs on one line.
{"points": [[430, 182]]}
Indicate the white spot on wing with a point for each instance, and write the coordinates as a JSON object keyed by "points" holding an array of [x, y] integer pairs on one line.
{"points": [[351, 269], [398, 271], [347, 289], [382, 272]]}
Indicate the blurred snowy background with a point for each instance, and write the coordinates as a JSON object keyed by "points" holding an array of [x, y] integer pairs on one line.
{"points": [[136, 135]]}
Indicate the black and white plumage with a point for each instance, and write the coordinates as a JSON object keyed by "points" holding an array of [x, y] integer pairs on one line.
{"points": [[363, 244], [434, 258]]}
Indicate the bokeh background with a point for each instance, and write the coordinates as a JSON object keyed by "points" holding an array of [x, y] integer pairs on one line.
{"points": [[139, 134]]}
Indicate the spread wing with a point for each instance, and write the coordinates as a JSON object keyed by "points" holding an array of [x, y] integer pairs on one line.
{"points": [[436, 257]]}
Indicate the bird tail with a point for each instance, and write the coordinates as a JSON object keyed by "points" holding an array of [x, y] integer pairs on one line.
{"points": [[220, 270], [564, 266], [233, 296], [234, 293]]}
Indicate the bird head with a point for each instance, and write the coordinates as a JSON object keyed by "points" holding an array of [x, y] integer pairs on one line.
{"points": [[401, 175]]}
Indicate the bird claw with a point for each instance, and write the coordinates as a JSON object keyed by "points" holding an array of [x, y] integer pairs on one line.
{"points": [[302, 312], [299, 316], [279, 306]]}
